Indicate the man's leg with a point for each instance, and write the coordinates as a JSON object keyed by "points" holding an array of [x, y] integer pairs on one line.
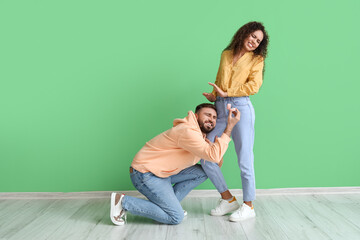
{"points": [[162, 206], [186, 180]]}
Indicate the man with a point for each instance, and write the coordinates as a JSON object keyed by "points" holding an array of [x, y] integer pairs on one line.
{"points": [[165, 169]]}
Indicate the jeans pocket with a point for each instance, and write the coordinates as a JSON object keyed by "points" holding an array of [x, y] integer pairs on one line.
{"points": [[138, 178], [146, 176]]}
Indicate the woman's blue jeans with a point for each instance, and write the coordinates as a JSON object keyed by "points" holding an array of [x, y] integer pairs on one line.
{"points": [[163, 194], [243, 137]]}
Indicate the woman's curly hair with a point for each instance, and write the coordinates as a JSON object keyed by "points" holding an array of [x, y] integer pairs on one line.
{"points": [[237, 42]]}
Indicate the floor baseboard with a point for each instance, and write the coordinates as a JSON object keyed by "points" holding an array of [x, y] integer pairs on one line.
{"points": [[194, 193]]}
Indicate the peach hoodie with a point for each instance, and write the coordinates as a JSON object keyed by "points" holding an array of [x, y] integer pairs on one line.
{"points": [[178, 148]]}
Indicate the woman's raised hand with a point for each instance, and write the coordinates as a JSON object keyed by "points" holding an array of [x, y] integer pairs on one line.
{"points": [[218, 90], [210, 97]]}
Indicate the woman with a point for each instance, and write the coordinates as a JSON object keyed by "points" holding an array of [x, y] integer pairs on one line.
{"points": [[240, 74]]}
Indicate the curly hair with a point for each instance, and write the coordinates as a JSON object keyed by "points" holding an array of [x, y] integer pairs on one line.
{"points": [[237, 41]]}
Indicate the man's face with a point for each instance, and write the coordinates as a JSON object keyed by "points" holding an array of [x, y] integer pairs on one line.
{"points": [[206, 118]]}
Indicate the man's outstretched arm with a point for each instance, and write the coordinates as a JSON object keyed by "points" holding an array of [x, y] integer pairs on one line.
{"points": [[192, 141]]}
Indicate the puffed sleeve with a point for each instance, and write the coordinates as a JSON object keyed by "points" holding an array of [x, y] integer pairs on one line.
{"points": [[253, 83]]}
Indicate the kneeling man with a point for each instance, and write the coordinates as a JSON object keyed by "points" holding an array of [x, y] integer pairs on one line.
{"points": [[165, 170]]}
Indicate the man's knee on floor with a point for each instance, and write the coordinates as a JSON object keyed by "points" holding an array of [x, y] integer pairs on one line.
{"points": [[177, 217]]}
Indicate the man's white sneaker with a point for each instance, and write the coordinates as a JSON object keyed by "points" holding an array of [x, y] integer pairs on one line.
{"points": [[243, 213], [117, 213], [224, 207]]}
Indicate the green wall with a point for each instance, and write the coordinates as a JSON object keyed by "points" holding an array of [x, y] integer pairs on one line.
{"points": [[84, 84]]}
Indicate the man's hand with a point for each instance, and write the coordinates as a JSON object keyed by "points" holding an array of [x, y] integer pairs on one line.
{"points": [[210, 97], [218, 90], [233, 119]]}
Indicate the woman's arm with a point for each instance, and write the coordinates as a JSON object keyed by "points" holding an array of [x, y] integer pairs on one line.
{"points": [[218, 90], [212, 96]]}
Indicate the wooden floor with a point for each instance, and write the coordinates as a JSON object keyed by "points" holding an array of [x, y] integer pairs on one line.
{"points": [[322, 216]]}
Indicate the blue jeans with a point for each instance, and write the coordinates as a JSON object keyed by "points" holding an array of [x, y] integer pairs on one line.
{"points": [[163, 194], [243, 137]]}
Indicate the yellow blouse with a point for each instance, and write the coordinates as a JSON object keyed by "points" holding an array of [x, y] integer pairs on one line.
{"points": [[242, 79]]}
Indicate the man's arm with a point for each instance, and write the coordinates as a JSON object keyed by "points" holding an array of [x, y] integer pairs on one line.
{"points": [[192, 141]]}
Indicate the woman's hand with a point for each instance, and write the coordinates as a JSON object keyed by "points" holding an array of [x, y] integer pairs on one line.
{"points": [[210, 97], [220, 92]]}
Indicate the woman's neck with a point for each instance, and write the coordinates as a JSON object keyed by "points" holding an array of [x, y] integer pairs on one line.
{"points": [[242, 52]]}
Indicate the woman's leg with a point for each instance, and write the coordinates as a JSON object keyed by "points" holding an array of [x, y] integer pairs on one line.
{"points": [[212, 169], [227, 202], [243, 137]]}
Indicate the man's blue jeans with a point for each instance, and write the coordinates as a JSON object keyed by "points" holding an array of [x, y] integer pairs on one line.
{"points": [[164, 194]]}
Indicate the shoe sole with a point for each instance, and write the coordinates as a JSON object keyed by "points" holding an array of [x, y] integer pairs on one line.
{"points": [[222, 214], [219, 215], [238, 220], [112, 210]]}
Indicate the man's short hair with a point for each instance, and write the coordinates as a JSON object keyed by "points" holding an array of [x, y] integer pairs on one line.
{"points": [[204, 105]]}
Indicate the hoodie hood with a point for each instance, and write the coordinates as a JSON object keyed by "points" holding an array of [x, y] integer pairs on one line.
{"points": [[190, 119]]}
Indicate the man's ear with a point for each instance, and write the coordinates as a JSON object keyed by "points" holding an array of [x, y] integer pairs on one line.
{"points": [[197, 116]]}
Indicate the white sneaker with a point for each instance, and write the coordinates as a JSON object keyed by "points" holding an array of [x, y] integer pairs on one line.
{"points": [[117, 213], [185, 213], [243, 213], [224, 207]]}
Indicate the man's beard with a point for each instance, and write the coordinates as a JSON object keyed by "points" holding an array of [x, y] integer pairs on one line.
{"points": [[204, 129]]}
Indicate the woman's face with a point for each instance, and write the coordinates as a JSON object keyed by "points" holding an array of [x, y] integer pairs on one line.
{"points": [[253, 40]]}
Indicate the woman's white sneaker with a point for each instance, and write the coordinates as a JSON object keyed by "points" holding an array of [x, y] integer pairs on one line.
{"points": [[224, 207], [243, 213]]}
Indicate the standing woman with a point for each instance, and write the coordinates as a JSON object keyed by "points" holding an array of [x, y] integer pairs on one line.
{"points": [[240, 74]]}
